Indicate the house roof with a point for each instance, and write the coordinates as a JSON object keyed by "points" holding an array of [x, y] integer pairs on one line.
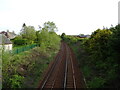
{"points": [[4, 39], [11, 35], [8, 34]]}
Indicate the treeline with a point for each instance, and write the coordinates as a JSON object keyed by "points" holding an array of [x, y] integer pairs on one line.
{"points": [[103, 48], [70, 39], [46, 36], [99, 58]]}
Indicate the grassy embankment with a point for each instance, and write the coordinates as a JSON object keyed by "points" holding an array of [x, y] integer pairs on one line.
{"points": [[100, 73], [25, 70]]}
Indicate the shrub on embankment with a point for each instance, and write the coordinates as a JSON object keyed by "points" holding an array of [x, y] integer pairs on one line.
{"points": [[25, 69], [102, 61], [99, 56]]}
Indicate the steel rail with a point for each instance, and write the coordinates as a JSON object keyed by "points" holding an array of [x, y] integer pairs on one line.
{"points": [[51, 70], [66, 68], [69, 57], [58, 71], [73, 72]]}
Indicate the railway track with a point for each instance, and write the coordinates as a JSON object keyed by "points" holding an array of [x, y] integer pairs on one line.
{"points": [[64, 72]]}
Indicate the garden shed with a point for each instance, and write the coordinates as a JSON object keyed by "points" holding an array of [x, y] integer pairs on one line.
{"points": [[5, 43]]}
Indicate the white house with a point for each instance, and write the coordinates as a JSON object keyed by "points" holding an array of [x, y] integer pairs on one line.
{"points": [[5, 43]]}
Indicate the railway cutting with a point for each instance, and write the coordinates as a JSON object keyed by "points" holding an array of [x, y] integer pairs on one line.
{"points": [[64, 71]]}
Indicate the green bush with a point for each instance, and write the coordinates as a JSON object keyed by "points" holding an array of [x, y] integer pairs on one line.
{"points": [[102, 49], [16, 81], [96, 82], [87, 71], [20, 42]]}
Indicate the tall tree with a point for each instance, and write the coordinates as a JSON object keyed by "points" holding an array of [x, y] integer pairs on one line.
{"points": [[24, 24], [29, 33], [50, 26], [47, 36], [63, 36]]}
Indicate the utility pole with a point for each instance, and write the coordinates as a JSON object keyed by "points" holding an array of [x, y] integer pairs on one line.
{"points": [[119, 13]]}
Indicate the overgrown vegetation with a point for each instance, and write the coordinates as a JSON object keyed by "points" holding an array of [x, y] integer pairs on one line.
{"points": [[99, 57], [25, 70]]}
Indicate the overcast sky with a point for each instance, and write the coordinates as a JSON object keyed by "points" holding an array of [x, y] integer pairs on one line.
{"points": [[70, 16]]}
